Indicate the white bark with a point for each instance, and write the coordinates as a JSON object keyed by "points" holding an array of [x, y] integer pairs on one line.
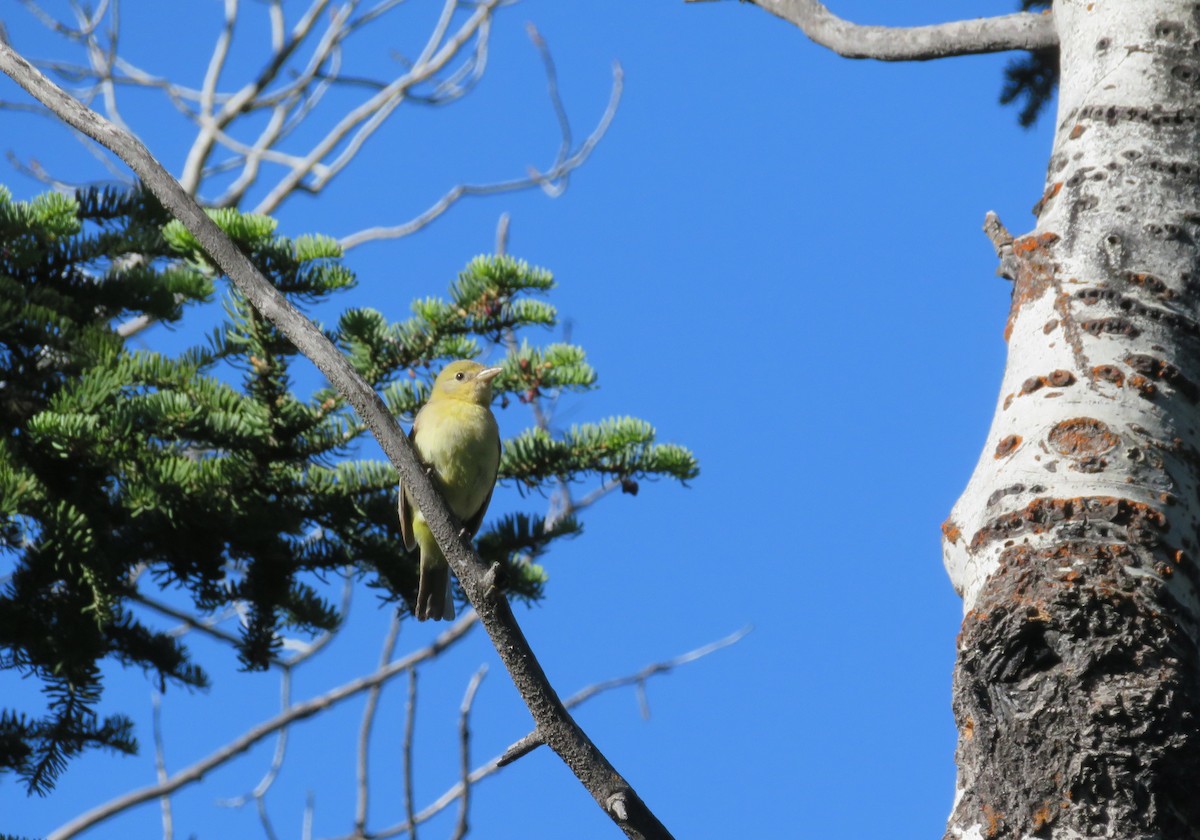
{"points": [[1118, 225]]}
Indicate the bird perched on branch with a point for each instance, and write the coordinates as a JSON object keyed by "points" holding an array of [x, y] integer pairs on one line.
{"points": [[457, 438]]}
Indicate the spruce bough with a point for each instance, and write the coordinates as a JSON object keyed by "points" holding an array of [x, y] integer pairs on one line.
{"points": [[206, 472]]}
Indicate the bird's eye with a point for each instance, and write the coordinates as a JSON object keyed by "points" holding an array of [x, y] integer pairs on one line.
{"points": [[459, 376]]}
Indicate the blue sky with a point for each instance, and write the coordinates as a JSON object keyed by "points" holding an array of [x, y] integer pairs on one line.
{"points": [[775, 256]]}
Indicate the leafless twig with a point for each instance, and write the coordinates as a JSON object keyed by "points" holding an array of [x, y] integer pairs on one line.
{"points": [[160, 767], [527, 744], [552, 180], [410, 719], [1023, 31], [246, 740], [362, 771], [533, 740], [464, 751]]}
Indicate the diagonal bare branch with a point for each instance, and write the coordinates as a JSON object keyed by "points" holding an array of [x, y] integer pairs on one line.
{"points": [[1022, 31], [299, 711], [533, 740], [529, 742]]}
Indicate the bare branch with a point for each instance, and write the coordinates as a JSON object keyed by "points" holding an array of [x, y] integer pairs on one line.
{"points": [[1002, 241], [306, 827], [464, 752], [364, 731], [265, 820], [246, 740], [533, 740], [216, 62], [364, 120], [410, 722], [242, 100], [527, 744], [1022, 31], [188, 622], [560, 111], [547, 180], [160, 767], [264, 784]]}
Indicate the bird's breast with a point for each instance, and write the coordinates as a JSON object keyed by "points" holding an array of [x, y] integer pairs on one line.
{"points": [[460, 441]]}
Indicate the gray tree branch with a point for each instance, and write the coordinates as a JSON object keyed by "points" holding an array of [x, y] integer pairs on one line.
{"points": [[461, 790], [612, 792], [1022, 31], [299, 711]]}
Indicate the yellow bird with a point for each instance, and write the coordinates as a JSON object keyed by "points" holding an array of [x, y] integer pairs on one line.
{"points": [[457, 438]]}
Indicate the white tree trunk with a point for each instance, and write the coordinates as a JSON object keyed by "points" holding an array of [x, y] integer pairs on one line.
{"points": [[1075, 545]]}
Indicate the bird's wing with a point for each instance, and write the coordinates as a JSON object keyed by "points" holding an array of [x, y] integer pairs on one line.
{"points": [[406, 506], [472, 524]]}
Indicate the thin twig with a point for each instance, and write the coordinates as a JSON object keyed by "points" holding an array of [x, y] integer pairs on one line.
{"points": [[160, 766], [554, 175], [560, 110], [364, 730], [257, 793], [352, 130], [410, 720], [534, 740], [252, 736], [306, 825], [526, 745], [264, 819], [464, 752]]}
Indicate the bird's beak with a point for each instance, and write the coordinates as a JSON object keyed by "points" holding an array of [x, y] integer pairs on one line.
{"points": [[488, 374]]}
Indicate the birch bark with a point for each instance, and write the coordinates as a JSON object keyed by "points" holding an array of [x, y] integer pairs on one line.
{"points": [[1075, 545]]}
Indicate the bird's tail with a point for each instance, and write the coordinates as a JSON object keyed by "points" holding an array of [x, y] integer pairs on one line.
{"points": [[435, 599]]}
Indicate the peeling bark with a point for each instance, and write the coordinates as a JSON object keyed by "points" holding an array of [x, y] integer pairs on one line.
{"points": [[1074, 546]]}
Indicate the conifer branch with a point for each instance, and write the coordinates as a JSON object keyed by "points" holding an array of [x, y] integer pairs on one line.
{"points": [[556, 726], [1021, 31]]}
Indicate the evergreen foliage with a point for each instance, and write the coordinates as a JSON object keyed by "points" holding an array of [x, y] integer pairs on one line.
{"points": [[1033, 78], [126, 471]]}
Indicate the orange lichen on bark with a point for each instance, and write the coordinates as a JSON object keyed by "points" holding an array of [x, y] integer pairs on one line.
{"points": [[1056, 379], [1108, 373], [1048, 813], [995, 821], [1143, 386], [1007, 446], [1150, 283], [1152, 368], [1047, 197], [1034, 272], [1082, 437], [951, 531]]}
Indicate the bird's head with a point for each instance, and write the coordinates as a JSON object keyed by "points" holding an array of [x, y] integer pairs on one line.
{"points": [[467, 381]]}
